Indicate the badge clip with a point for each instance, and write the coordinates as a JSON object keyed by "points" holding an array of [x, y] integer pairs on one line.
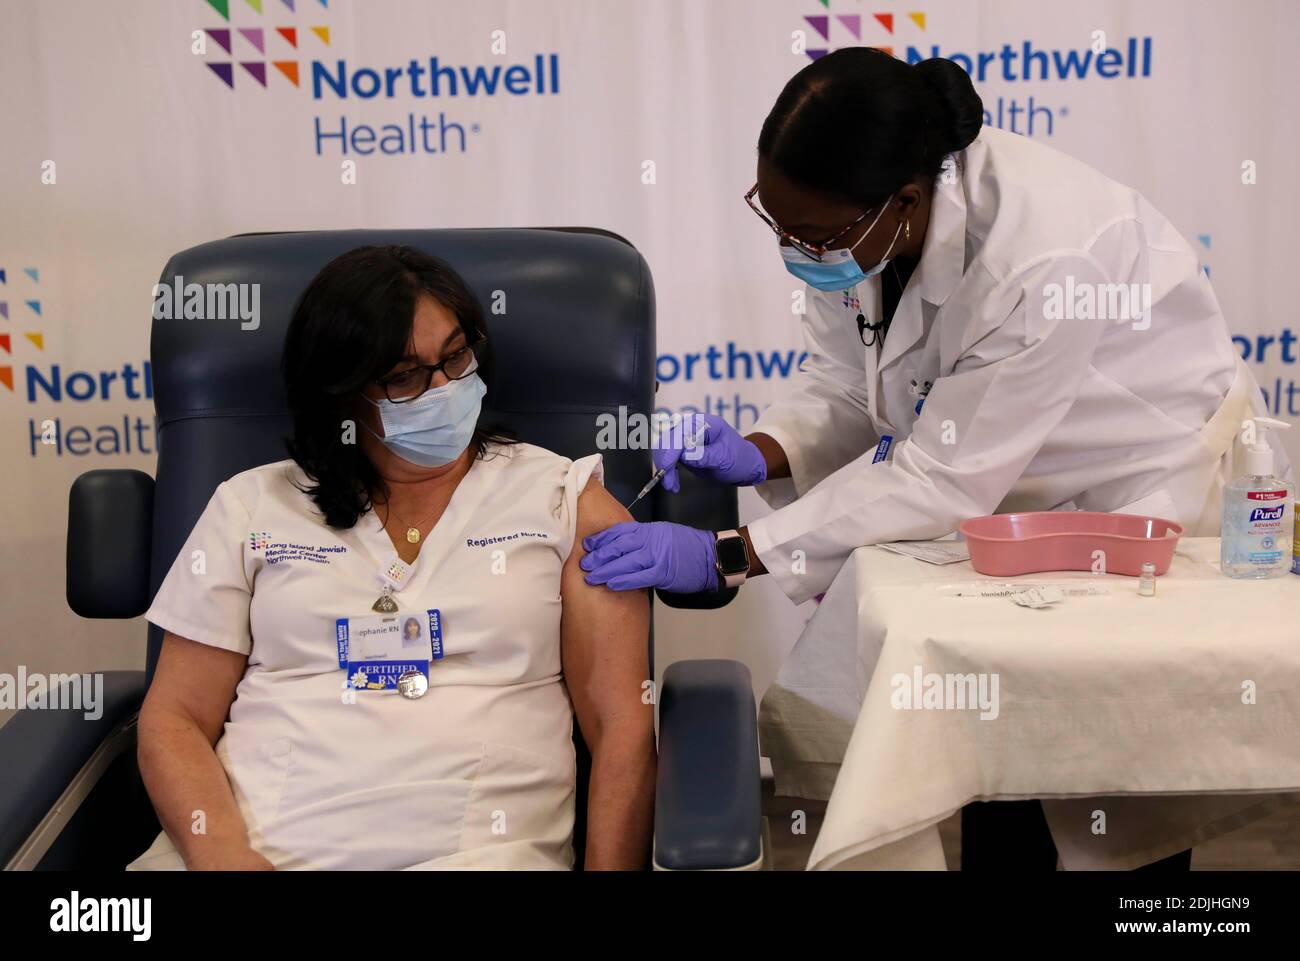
{"points": [[385, 603]]}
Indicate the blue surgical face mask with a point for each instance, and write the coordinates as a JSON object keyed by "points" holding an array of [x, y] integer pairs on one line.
{"points": [[837, 270], [436, 427]]}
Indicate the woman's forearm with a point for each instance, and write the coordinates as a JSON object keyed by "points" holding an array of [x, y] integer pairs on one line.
{"points": [[190, 791], [620, 801]]}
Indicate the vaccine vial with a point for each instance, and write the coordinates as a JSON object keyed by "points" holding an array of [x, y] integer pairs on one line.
{"points": [[1147, 581]]}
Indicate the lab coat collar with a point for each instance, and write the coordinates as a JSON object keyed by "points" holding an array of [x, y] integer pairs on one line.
{"points": [[943, 260], [943, 257]]}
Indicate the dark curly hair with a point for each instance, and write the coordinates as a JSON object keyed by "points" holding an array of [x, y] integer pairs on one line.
{"points": [[351, 326]]}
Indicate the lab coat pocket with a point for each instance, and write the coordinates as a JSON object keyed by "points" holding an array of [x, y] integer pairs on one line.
{"points": [[256, 770], [520, 810]]}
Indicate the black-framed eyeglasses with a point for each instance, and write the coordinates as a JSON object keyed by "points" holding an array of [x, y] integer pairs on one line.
{"points": [[812, 251], [406, 385]]}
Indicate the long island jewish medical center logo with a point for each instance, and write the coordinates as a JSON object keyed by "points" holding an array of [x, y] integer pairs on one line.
{"points": [[281, 552], [287, 48], [906, 34], [29, 375]]}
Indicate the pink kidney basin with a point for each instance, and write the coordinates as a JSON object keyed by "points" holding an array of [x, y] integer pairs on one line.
{"points": [[1005, 545]]}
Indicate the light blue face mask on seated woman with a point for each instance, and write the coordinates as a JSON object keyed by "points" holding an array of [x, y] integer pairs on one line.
{"points": [[436, 427], [837, 270]]}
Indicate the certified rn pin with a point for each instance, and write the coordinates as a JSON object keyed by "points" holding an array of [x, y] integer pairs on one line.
{"points": [[412, 684]]}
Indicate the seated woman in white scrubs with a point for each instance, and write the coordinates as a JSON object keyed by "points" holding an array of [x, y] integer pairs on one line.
{"points": [[285, 729]]}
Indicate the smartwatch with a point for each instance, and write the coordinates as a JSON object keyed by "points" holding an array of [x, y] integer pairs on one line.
{"points": [[733, 559]]}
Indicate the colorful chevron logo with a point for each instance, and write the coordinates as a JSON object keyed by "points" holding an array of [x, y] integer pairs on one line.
{"points": [[258, 48], [27, 306], [830, 26]]}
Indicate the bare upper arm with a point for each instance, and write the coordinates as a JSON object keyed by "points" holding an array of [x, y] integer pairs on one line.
{"points": [[195, 680], [605, 634]]}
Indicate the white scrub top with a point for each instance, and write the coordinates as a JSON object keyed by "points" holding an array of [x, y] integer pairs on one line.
{"points": [[479, 772], [1130, 411]]}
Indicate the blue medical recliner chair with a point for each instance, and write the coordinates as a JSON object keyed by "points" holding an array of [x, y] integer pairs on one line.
{"points": [[577, 340]]}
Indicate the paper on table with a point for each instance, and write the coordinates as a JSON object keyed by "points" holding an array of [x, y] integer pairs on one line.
{"points": [[1039, 596], [932, 552], [1012, 588]]}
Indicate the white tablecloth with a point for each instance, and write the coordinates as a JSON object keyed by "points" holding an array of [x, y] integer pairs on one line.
{"points": [[1153, 723]]}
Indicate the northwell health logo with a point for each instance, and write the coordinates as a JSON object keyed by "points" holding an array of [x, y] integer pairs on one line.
{"points": [[253, 48], [1010, 62], [1015, 63], [851, 24], [64, 402], [248, 55], [25, 313]]}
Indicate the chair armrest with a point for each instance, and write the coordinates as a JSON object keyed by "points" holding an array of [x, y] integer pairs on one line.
{"points": [[110, 529], [708, 813], [42, 752]]}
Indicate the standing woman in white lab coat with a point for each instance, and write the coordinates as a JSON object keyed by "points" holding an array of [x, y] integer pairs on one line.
{"points": [[991, 326]]}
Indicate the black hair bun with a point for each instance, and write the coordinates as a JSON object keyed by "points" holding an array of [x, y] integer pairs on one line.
{"points": [[961, 112]]}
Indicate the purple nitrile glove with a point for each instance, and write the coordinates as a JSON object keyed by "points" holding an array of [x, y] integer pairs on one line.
{"points": [[633, 555], [722, 456]]}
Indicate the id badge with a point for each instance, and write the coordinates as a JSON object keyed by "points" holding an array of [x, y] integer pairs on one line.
{"points": [[379, 651]]}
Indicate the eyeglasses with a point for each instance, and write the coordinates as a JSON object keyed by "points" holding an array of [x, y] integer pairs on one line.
{"points": [[813, 251], [406, 385]]}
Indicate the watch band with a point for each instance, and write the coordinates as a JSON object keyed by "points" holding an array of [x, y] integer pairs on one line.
{"points": [[737, 578]]}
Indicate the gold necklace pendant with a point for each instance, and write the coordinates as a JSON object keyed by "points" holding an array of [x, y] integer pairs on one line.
{"points": [[413, 535]]}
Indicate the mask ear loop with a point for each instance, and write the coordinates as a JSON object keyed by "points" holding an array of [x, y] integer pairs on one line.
{"points": [[890, 249], [875, 221]]}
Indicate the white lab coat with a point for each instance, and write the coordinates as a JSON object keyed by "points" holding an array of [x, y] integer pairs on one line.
{"points": [[479, 772], [1133, 411]]}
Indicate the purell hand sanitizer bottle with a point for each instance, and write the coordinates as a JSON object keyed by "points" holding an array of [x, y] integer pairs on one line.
{"points": [[1255, 540]]}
